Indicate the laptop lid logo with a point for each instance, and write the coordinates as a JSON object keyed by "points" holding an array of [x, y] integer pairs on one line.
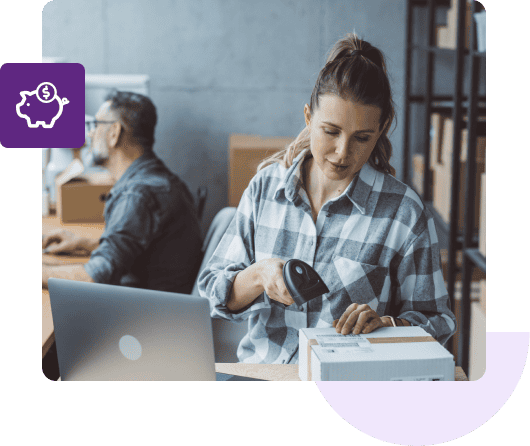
{"points": [[130, 347]]}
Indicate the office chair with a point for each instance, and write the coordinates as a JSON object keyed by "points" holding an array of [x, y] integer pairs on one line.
{"points": [[202, 194]]}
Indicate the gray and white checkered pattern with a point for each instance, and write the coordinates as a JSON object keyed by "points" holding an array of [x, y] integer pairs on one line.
{"points": [[375, 244]]}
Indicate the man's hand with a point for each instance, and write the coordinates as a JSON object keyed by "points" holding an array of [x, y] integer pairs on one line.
{"points": [[75, 271], [356, 319], [45, 276], [61, 240]]}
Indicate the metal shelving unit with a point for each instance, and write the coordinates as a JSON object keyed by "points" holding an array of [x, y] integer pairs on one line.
{"points": [[472, 256], [464, 111]]}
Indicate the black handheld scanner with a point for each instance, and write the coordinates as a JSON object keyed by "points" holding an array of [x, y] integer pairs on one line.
{"points": [[302, 281]]}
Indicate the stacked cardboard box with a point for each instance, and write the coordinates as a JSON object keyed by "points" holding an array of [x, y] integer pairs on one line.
{"points": [[483, 295], [418, 172], [476, 273], [418, 160], [246, 152], [477, 343], [482, 229], [81, 193], [443, 171], [446, 35], [436, 139]]}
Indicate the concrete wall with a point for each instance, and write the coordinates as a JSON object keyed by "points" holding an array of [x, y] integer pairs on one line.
{"points": [[219, 67]]}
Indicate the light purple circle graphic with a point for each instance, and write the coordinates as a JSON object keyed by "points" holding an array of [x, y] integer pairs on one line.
{"points": [[427, 412]]}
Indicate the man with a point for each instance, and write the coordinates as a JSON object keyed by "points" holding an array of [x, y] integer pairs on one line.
{"points": [[152, 236]]}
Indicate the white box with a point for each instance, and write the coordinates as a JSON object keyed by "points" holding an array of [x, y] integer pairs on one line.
{"points": [[387, 354]]}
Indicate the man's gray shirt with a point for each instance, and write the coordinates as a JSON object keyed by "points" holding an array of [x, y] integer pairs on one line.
{"points": [[152, 237]]}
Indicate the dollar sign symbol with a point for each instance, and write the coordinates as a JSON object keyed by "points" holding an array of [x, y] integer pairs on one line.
{"points": [[46, 92]]}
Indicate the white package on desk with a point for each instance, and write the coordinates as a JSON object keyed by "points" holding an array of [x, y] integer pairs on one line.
{"points": [[386, 354]]}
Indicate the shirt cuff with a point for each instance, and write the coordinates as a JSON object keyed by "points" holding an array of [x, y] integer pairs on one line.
{"points": [[222, 293], [100, 269]]}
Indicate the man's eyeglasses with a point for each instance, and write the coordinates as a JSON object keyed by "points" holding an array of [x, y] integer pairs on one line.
{"points": [[91, 125]]}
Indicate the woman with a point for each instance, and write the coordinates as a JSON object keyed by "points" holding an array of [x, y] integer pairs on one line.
{"points": [[330, 199]]}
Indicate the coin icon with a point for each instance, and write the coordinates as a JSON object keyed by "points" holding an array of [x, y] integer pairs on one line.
{"points": [[46, 92]]}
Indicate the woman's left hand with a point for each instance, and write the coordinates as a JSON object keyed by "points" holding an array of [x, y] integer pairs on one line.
{"points": [[356, 319]]}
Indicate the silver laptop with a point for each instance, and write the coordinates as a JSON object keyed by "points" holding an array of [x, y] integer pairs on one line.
{"points": [[108, 332]]}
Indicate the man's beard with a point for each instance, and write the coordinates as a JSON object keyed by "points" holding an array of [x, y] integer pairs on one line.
{"points": [[99, 157]]}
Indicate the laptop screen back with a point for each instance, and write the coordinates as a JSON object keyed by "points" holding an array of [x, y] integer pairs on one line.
{"points": [[107, 332]]}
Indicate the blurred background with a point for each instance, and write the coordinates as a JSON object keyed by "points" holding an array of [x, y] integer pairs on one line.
{"points": [[216, 68]]}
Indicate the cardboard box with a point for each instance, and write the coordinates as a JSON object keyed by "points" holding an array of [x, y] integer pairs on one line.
{"points": [[443, 174], [246, 152], [81, 195], [418, 172], [476, 275], [441, 143], [482, 224], [446, 36], [441, 37], [477, 343], [442, 194], [386, 354], [483, 295], [437, 123]]}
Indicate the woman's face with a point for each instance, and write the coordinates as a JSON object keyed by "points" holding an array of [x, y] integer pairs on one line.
{"points": [[343, 135]]}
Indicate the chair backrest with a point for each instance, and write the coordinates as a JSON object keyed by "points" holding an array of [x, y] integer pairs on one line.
{"points": [[213, 237], [202, 194], [226, 334]]}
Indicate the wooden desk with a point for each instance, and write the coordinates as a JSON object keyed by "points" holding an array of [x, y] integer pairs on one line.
{"points": [[90, 230], [49, 224], [282, 372]]}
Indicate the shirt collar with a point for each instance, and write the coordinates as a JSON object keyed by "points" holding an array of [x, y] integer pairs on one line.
{"points": [[292, 180], [136, 166], [358, 191]]}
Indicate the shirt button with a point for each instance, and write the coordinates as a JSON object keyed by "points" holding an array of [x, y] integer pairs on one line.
{"points": [[310, 243]]}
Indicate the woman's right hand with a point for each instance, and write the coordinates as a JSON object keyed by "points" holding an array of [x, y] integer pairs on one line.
{"points": [[271, 274]]}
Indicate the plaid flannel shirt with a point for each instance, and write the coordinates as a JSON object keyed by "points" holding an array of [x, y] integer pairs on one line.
{"points": [[375, 244]]}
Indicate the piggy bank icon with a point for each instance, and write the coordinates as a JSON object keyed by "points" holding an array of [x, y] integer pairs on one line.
{"points": [[41, 106]]}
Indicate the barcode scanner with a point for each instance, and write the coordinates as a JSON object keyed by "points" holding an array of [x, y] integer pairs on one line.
{"points": [[302, 281]]}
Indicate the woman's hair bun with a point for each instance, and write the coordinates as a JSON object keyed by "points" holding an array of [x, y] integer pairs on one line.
{"points": [[353, 46]]}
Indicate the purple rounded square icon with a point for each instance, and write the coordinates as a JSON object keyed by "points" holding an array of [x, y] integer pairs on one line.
{"points": [[43, 105]]}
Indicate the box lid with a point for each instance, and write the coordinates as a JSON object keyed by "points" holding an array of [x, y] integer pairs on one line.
{"points": [[383, 332], [258, 142], [406, 351], [334, 348], [77, 172]]}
